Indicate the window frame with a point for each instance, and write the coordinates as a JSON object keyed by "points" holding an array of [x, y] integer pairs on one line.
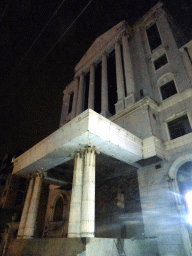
{"points": [[156, 58], [147, 39], [164, 79], [174, 118]]}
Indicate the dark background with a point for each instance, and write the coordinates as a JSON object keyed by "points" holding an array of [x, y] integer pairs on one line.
{"points": [[31, 89]]}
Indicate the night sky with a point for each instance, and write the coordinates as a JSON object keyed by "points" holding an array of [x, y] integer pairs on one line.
{"points": [[31, 85]]}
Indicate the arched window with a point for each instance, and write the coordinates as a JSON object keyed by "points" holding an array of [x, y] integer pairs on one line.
{"points": [[184, 179], [180, 175], [58, 211]]}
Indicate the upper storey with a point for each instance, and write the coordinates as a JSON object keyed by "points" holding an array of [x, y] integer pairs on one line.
{"points": [[126, 64]]}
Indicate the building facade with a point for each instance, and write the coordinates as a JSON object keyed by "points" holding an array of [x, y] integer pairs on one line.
{"points": [[120, 163]]}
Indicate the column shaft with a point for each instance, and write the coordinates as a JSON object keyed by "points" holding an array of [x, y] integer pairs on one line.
{"points": [[104, 87], [32, 214], [80, 100], [91, 87], [88, 196], [74, 107], [74, 228], [25, 209], [128, 67], [119, 72]]}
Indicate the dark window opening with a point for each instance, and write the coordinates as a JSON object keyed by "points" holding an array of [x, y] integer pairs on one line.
{"points": [[70, 102], [153, 37], [58, 214], [179, 127], [141, 93], [160, 62], [168, 89], [87, 77], [112, 82], [125, 89], [97, 100]]}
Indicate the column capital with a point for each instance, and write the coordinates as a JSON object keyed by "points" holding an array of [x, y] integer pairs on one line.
{"points": [[40, 174], [91, 149]]}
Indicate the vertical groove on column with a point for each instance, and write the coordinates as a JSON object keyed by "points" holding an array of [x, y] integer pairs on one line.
{"points": [[119, 72], [32, 214], [76, 198], [88, 196], [25, 209]]}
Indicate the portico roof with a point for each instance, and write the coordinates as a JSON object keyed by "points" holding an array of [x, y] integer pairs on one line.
{"points": [[87, 129]]}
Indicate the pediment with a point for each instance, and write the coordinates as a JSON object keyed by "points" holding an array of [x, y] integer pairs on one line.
{"points": [[100, 44]]}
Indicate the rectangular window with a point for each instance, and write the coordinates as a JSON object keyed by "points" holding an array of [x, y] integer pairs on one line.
{"points": [[153, 37], [160, 62], [168, 89], [179, 127], [70, 103]]}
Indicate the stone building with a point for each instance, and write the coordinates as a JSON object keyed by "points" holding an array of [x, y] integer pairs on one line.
{"points": [[120, 165]]}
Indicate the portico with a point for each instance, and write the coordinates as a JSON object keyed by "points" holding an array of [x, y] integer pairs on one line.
{"points": [[81, 139]]}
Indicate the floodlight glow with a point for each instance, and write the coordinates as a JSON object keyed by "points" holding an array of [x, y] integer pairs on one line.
{"points": [[188, 198]]}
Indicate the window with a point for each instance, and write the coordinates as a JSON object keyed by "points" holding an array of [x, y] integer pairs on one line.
{"points": [[70, 102], [153, 37], [168, 89], [179, 127], [160, 62]]}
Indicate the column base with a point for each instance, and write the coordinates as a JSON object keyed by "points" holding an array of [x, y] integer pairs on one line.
{"points": [[105, 114], [129, 100], [119, 106], [74, 235], [88, 235], [27, 237]]}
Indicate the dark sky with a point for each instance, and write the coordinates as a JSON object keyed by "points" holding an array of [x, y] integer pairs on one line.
{"points": [[31, 94]]}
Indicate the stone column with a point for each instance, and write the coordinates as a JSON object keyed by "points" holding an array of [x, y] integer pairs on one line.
{"points": [[104, 87], [32, 214], [25, 209], [91, 87], [88, 195], [80, 100], [130, 86], [74, 107], [119, 72], [74, 229]]}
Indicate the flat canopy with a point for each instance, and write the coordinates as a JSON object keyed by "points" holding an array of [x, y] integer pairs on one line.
{"points": [[87, 129]]}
